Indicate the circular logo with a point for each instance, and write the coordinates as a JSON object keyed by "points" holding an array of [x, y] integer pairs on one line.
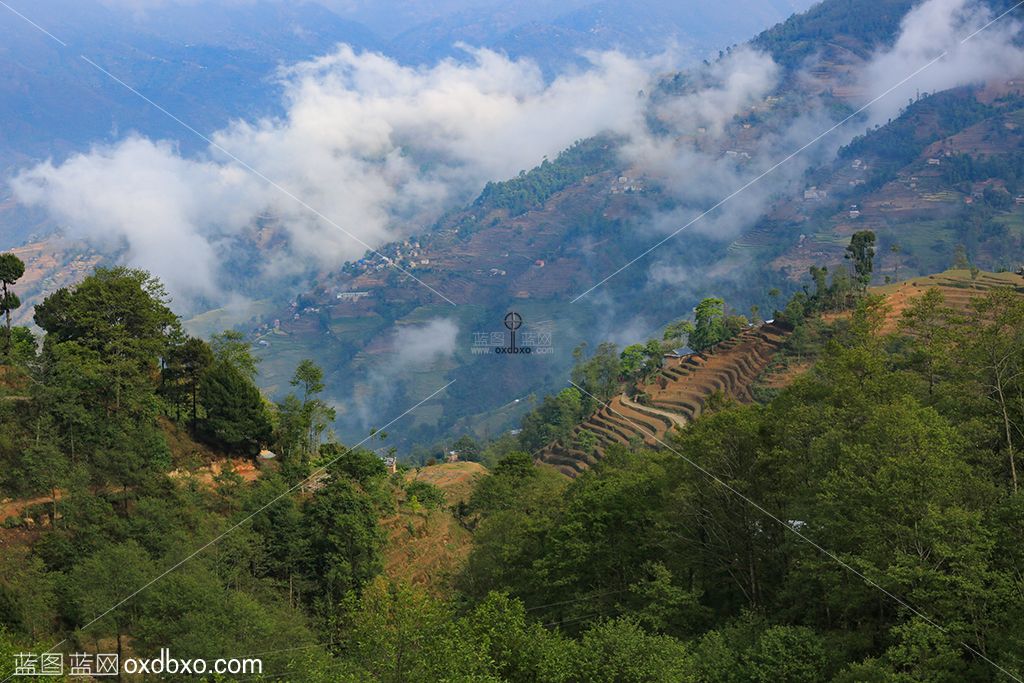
{"points": [[513, 321]]}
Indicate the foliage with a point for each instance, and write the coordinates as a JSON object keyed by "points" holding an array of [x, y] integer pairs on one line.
{"points": [[797, 38], [861, 251], [236, 418], [531, 189], [709, 325], [598, 375], [11, 270], [553, 420], [425, 493]]}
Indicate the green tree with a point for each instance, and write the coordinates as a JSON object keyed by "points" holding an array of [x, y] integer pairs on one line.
{"points": [[184, 369], [709, 325], [236, 417], [194, 614], [554, 419], [11, 270], [930, 325], [403, 634], [467, 448], [631, 361], [620, 650], [861, 251], [994, 353], [120, 316], [520, 649], [599, 374], [316, 414], [678, 333], [231, 347], [102, 586], [310, 377], [23, 346], [28, 596], [45, 468], [344, 540], [790, 654], [895, 249]]}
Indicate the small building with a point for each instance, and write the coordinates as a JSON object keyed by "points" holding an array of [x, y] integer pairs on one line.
{"points": [[934, 162], [266, 459], [391, 463]]}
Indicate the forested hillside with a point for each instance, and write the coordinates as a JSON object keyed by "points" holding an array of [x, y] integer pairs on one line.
{"points": [[861, 523]]}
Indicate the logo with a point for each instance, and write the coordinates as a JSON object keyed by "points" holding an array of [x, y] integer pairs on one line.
{"points": [[518, 339], [513, 321]]}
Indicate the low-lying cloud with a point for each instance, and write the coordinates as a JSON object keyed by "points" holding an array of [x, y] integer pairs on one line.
{"points": [[378, 148], [417, 347], [976, 50], [381, 149]]}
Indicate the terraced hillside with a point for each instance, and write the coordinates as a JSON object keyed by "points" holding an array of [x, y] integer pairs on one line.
{"points": [[957, 286], [677, 395]]}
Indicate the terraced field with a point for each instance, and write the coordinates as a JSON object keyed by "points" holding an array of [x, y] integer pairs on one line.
{"points": [[957, 287], [676, 396]]}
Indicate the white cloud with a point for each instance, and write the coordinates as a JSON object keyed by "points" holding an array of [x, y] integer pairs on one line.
{"points": [[420, 346], [379, 148], [928, 30], [726, 88], [700, 159]]}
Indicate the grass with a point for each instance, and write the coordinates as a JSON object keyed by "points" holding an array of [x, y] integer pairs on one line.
{"points": [[428, 547]]}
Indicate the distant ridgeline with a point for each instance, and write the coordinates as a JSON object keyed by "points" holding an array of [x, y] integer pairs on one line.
{"points": [[530, 189]]}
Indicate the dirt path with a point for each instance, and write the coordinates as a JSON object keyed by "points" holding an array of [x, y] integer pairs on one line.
{"points": [[207, 474], [13, 508], [677, 419]]}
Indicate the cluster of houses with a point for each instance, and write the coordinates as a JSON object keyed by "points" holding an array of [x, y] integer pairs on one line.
{"points": [[352, 297], [624, 184], [813, 194], [407, 254]]}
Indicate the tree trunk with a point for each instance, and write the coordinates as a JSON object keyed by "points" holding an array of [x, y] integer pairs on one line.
{"points": [[194, 413], [1009, 433], [8, 343]]}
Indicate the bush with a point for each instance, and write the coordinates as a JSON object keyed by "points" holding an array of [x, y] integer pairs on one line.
{"points": [[428, 495]]}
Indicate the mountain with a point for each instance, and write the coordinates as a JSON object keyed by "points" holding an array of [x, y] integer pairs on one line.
{"points": [[207, 62], [556, 35], [600, 243], [535, 243]]}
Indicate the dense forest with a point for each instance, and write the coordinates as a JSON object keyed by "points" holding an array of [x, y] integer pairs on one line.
{"points": [[862, 524], [530, 189]]}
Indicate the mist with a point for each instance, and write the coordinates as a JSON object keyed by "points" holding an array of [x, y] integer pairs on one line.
{"points": [[378, 149], [929, 30]]}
